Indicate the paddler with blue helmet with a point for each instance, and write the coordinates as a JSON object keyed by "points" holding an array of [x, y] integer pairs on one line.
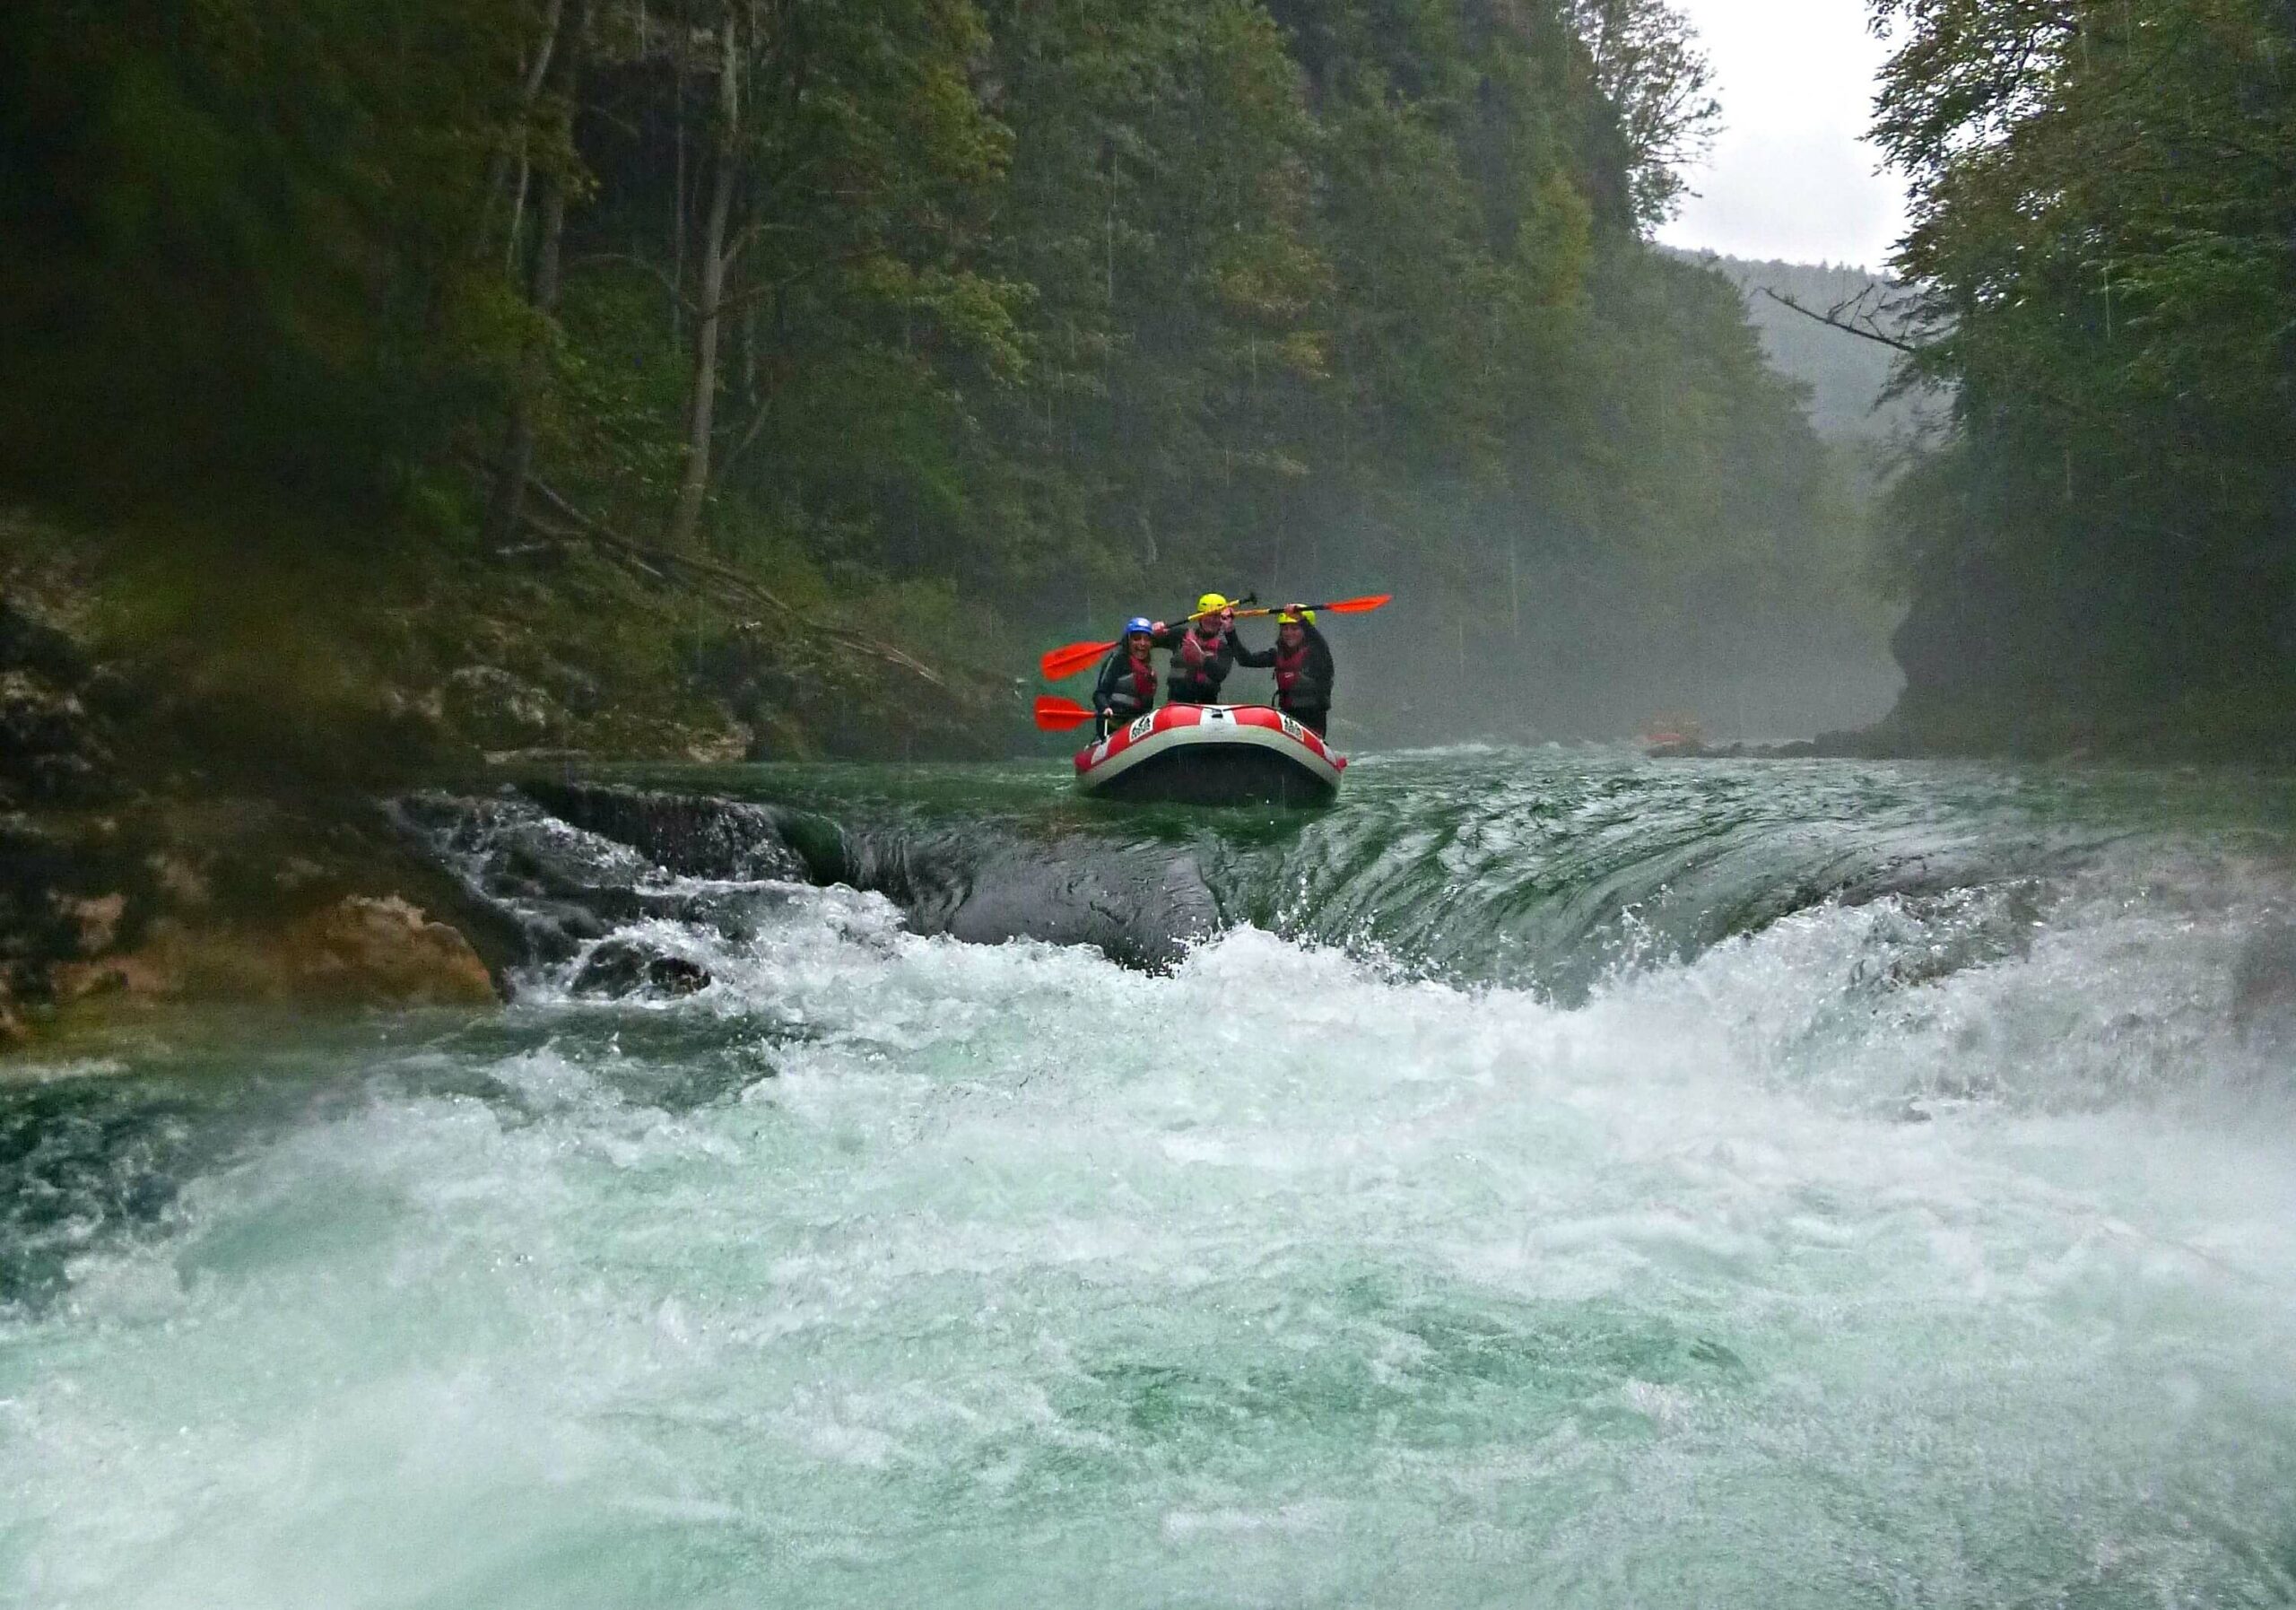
{"points": [[1127, 685], [1203, 651], [1302, 661]]}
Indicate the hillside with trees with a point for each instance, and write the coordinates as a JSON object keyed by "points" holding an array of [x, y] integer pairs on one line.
{"points": [[2103, 266], [801, 367], [1850, 376]]}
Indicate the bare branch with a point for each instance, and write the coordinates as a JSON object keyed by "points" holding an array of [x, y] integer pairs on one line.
{"points": [[655, 561], [1833, 319]]}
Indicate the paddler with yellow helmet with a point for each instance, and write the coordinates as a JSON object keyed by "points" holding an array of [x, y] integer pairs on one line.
{"points": [[1302, 661], [1203, 651]]}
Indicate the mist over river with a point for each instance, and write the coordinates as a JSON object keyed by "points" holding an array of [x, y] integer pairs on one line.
{"points": [[1547, 1178]]}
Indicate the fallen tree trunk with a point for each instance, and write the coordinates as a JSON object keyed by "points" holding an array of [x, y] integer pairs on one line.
{"points": [[659, 564]]}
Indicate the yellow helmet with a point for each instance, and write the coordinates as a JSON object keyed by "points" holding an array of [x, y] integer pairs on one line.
{"points": [[1210, 602], [1286, 618]]}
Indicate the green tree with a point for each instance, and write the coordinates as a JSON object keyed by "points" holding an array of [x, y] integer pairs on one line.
{"points": [[2104, 244], [239, 235]]}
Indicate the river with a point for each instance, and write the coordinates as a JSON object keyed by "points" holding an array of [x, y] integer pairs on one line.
{"points": [[1547, 1177]]}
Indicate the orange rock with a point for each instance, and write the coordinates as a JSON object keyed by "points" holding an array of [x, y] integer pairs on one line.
{"points": [[384, 951]]}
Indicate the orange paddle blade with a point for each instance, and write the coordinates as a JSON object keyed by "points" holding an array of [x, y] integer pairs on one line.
{"points": [[1058, 715], [1063, 663]]}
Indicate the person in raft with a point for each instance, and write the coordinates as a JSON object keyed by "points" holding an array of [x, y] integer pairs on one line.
{"points": [[1127, 685], [1302, 661], [1203, 651]]}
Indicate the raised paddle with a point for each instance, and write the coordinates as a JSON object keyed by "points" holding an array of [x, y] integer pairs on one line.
{"points": [[1058, 715], [1344, 606], [1064, 662]]}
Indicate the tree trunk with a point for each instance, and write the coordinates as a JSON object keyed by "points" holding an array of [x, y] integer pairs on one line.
{"points": [[497, 166], [563, 84], [678, 187], [708, 311]]}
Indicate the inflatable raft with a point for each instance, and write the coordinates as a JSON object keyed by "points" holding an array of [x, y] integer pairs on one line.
{"points": [[1211, 754]]}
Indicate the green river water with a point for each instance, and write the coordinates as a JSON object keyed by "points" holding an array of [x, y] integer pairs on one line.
{"points": [[1544, 1178]]}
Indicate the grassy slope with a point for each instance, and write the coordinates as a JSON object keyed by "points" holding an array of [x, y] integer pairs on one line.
{"points": [[275, 647]]}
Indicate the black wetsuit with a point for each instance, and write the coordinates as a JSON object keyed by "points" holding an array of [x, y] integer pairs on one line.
{"points": [[1197, 682], [1302, 681], [1117, 698]]}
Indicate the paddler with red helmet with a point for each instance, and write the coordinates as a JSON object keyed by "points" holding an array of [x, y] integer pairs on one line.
{"points": [[1127, 685], [1302, 661], [1203, 651]]}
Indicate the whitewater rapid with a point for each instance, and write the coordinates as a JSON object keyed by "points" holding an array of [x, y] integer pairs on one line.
{"points": [[1935, 1246]]}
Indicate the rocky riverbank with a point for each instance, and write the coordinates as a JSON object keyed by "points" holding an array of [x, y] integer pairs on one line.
{"points": [[122, 905], [192, 751]]}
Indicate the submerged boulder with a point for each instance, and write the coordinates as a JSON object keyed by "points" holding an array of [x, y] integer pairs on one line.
{"points": [[2264, 985], [52, 748], [622, 967]]}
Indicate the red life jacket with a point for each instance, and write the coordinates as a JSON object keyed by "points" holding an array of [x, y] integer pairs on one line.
{"points": [[1199, 665], [1144, 679], [1196, 653], [1288, 666]]}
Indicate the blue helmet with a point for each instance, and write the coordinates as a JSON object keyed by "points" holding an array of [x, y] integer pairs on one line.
{"points": [[1138, 623]]}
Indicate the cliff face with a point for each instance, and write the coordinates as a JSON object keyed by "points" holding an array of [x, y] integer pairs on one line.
{"points": [[149, 854], [2093, 652], [128, 876]]}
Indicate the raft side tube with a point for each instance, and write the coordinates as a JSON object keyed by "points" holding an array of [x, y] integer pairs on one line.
{"points": [[1211, 754]]}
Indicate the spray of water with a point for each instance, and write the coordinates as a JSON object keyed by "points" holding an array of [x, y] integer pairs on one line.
{"points": [[1926, 1243]]}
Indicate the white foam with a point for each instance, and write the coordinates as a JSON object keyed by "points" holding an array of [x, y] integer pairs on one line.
{"points": [[1062, 1281]]}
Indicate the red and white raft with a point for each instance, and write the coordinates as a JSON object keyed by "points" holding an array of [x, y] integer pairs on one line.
{"points": [[1211, 754]]}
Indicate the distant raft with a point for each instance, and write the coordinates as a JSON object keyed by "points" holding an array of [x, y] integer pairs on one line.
{"points": [[1211, 754]]}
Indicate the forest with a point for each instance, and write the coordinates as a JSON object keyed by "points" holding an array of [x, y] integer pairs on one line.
{"points": [[2100, 550], [832, 357]]}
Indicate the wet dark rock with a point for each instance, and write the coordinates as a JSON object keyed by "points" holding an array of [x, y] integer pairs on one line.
{"points": [[36, 716], [2264, 985], [568, 861], [65, 895], [58, 745], [30, 640], [67, 780], [1141, 906], [688, 835], [542, 885], [622, 967], [114, 694], [52, 747]]}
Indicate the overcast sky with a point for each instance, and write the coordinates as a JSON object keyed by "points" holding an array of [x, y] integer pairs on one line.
{"points": [[1789, 176]]}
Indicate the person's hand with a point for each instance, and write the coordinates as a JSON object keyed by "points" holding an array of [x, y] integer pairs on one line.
{"points": [[1299, 610], [1159, 628]]}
